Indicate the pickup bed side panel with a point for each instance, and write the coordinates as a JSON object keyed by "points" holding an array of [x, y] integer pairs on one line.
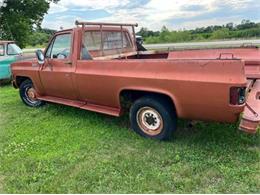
{"points": [[199, 88], [251, 56]]}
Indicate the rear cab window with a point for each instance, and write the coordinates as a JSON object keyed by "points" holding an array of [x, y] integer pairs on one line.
{"points": [[111, 42]]}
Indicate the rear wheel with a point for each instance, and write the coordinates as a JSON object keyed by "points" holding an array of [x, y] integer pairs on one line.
{"points": [[29, 95], [153, 117]]}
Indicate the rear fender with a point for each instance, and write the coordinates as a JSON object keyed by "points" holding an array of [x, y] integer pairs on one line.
{"points": [[154, 91]]}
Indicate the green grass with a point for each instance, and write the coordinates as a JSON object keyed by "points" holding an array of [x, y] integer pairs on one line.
{"points": [[59, 149], [35, 46]]}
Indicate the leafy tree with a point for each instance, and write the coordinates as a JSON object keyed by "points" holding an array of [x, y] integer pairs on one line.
{"points": [[47, 31], [19, 17], [144, 32], [220, 34], [230, 25], [246, 24], [164, 29], [40, 37]]}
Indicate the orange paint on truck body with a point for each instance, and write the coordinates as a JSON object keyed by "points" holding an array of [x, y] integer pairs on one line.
{"points": [[197, 81]]}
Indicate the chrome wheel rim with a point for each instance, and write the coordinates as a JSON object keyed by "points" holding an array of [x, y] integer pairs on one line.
{"points": [[31, 95]]}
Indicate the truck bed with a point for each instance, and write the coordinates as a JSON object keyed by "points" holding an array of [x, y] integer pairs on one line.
{"points": [[251, 56]]}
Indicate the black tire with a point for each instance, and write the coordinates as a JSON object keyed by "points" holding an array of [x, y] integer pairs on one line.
{"points": [[146, 111], [24, 87]]}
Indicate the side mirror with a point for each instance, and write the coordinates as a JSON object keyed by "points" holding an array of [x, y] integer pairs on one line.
{"points": [[40, 57]]}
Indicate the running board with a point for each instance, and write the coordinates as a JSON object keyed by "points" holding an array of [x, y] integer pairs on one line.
{"points": [[102, 109], [83, 105], [57, 100], [251, 116]]}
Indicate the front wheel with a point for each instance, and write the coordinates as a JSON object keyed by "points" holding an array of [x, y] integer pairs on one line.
{"points": [[153, 117], [28, 94]]}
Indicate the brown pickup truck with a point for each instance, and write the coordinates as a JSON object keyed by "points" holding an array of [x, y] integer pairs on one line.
{"points": [[98, 67]]}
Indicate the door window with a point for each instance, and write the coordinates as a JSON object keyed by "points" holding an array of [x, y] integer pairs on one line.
{"points": [[13, 49], [60, 47], [2, 50]]}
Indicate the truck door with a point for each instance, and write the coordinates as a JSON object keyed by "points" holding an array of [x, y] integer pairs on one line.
{"points": [[56, 73]]}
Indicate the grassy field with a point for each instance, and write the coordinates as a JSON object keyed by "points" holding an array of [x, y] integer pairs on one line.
{"points": [[58, 149]]}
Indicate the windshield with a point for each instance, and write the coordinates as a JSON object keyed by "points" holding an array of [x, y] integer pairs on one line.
{"points": [[13, 49]]}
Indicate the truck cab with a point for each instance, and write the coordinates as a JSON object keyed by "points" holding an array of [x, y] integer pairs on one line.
{"points": [[9, 52]]}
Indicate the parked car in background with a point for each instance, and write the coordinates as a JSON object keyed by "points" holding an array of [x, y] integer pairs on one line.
{"points": [[9, 53]]}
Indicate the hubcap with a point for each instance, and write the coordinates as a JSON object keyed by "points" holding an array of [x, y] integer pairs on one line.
{"points": [[31, 95], [150, 121]]}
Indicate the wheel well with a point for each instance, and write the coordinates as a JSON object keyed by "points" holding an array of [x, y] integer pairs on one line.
{"points": [[128, 97], [20, 79]]}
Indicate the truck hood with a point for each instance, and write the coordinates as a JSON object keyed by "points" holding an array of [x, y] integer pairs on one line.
{"points": [[26, 57], [17, 58], [7, 58]]}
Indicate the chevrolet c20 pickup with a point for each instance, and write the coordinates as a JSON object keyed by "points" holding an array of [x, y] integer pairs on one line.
{"points": [[9, 53], [98, 67]]}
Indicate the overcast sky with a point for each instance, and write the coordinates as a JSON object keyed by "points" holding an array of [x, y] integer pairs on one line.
{"points": [[175, 14]]}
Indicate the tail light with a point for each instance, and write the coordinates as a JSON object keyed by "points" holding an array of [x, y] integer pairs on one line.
{"points": [[237, 95]]}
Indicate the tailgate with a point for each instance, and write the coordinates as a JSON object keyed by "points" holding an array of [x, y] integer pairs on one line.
{"points": [[251, 116]]}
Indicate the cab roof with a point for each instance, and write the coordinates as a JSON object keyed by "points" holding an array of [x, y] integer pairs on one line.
{"points": [[5, 41], [92, 28], [98, 26]]}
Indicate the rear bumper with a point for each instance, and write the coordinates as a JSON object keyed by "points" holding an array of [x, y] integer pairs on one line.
{"points": [[251, 116], [248, 126]]}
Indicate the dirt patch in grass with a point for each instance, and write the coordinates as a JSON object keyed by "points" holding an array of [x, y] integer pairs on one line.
{"points": [[1, 184]]}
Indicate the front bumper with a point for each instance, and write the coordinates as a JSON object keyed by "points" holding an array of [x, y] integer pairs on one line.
{"points": [[14, 84]]}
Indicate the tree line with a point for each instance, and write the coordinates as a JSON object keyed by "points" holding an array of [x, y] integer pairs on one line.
{"points": [[21, 21], [246, 29]]}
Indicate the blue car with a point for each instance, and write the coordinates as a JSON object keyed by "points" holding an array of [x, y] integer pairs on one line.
{"points": [[9, 53]]}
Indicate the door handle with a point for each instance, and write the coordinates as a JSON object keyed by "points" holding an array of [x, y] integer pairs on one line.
{"points": [[68, 62], [43, 66]]}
